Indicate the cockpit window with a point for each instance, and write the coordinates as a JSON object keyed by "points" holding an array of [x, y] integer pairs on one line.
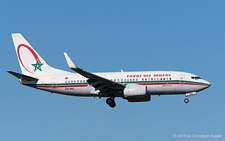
{"points": [[195, 77]]}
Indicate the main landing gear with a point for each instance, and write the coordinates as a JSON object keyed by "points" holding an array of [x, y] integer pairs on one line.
{"points": [[111, 102]]}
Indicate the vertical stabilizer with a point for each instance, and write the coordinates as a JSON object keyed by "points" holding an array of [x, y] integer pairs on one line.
{"points": [[31, 63]]}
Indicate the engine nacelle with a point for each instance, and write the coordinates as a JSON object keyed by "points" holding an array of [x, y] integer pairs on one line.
{"points": [[133, 90]]}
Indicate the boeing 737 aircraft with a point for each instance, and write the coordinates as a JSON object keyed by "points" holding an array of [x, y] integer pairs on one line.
{"points": [[132, 86]]}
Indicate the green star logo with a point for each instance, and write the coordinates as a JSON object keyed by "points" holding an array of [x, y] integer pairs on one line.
{"points": [[37, 66]]}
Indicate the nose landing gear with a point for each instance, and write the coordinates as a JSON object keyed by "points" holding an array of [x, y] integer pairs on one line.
{"points": [[186, 100]]}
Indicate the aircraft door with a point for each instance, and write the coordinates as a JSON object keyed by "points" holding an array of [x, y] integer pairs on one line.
{"points": [[182, 77], [54, 83]]}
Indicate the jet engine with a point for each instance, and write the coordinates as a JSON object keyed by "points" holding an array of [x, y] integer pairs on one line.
{"points": [[133, 90]]}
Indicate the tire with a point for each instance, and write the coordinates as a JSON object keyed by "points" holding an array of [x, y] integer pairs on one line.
{"points": [[113, 104], [109, 101], [186, 100]]}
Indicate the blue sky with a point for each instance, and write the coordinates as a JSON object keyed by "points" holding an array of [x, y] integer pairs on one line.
{"points": [[109, 36]]}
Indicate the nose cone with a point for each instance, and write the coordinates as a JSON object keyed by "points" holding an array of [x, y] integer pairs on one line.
{"points": [[207, 84]]}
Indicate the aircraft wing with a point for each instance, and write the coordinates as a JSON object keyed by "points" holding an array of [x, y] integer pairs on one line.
{"points": [[100, 83]]}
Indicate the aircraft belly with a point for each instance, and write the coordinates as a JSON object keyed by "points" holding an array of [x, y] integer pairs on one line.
{"points": [[193, 88]]}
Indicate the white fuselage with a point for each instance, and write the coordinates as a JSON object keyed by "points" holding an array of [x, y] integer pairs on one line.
{"points": [[157, 82]]}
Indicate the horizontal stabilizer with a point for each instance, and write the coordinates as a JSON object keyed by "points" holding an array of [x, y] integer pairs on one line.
{"points": [[22, 77]]}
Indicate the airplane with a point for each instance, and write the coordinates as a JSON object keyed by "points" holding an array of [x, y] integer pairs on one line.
{"points": [[136, 86]]}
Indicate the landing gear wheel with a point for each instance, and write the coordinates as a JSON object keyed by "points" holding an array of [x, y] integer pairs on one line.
{"points": [[186, 100], [112, 105], [111, 102]]}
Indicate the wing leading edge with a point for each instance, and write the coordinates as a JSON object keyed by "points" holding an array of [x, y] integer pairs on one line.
{"points": [[98, 82]]}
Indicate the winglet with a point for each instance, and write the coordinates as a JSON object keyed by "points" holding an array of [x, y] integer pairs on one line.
{"points": [[69, 61]]}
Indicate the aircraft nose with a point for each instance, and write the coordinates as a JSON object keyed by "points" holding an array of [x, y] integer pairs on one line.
{"points": [[207, 83]]}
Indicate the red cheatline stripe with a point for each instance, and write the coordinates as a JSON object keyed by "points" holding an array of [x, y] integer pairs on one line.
{"points": [[173, 83], [151, 83], [193, 83], [67, 86]]}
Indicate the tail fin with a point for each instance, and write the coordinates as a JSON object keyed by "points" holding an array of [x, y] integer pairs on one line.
{"points": [[31, 63]]}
